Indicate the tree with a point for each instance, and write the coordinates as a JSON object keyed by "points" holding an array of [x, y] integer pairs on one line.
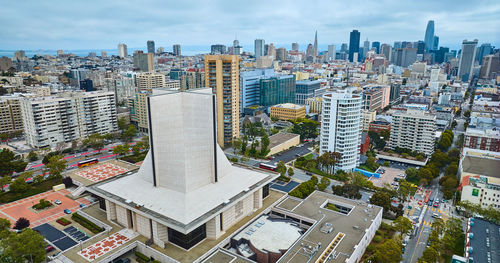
{"points": [[244, 144], [121, 149], [4, 228], [412, 174], [19, 185], [32, 156], [453, 124], [451, 170], [136, 149], [122, 124], [382, 199], [236, 145], [305, 128], [290, 172], [371, 163], [430, 255], [21, 223], [9, 163], [95, 141], [467, 114], [388, 252], [129, 133], [264, 143], [328, 160], [402, 224], [27, 246], [67, 181], [281, 168], [56, 165]]}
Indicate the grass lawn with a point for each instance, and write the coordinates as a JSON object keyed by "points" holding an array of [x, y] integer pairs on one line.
{"points": [[309, 156], [33, 189]]}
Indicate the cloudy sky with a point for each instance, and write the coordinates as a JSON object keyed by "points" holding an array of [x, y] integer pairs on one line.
{"points": [[102, 24]]}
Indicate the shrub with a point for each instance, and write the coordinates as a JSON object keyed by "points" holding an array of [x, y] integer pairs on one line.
{"points": [[321, 186], [42, 204], [21, 223], [86, 223], [377, 239], [141, 257], [284, 178], [234, 160], [67, 181], [63, 221]]}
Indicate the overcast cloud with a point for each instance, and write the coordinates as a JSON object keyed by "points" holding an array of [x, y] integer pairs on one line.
{"points": [[101, 24]]}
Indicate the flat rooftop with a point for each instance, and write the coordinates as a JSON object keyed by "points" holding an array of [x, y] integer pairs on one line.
{"points": [[101, 171], [281, 137], [481, 166], [353, 226], [486, 241]]}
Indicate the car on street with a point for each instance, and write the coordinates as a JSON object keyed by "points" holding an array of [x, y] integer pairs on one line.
{"points": [[67, 211], [436, 215], [57, 202], [436, 204]]}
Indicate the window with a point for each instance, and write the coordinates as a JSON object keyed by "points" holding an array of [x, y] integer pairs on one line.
{"points": [[189, 240], [265, 191]]}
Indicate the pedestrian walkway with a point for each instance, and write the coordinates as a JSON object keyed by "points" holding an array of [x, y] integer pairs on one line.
{"points": [[436, 210], [426, 223]]}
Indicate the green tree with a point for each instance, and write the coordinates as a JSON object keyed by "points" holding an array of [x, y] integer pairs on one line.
{"points": [[467, 114], [236, 145], [430, 255], [122, 149], [9, 163], [305, 128], [27, 246], [412, 175], [264, 143], [402, 224], [281, 168], [383, 199], [129, 133], [328, 160], [95, 141], [32, 156], [19, 185], [136, 149], [244, 144], [56, 165], [122, 124], [388, 252], [290, 172]]}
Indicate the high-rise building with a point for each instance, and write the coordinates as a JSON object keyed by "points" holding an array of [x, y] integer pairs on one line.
{"points": [[466, 64], [5, 63], [376, 46], [420, 47], [176, 49], [305, 89], [11, 119], [122, 86], [218, 49], [295, 46], [271, 51], [332, 52], [366, 47], [344, 47], [310, 53], [148, 81], [160, 50], [372, 97], [122, 50], [144, 61], [341, 127], [104, 54], [49, 121], [259, 48], [386, 51], [151, 46], [316, 44], [277, 90], [222, 75], [353, 44], [193, 79], [484, 50], [250, 86], [435, 43], [405, 56], [414, 130], [429, 35], [490, 67], [281, 54], [397, 44], [237, 49]]}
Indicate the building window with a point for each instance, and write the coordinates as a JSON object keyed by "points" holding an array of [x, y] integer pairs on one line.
{"points": [[265, 191], [189, 240]]}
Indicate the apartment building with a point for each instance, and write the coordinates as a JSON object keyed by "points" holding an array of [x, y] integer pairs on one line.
{"points": [[148, 81], [305, 89], [288, 111], [314, 104], [67, 117], [341, 127], [373, 98], [413, 129], [222, 75], [368, 117], [193, 79], [11, 119]]}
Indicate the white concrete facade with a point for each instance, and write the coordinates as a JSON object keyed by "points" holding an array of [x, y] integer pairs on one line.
{"points": [[414, 130]]}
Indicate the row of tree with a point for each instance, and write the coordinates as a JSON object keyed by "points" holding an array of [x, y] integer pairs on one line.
{"points": [[26, 246], [446, 140], [445, 240]]}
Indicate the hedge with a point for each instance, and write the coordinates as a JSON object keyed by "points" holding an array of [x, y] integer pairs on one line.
{"points": [[63, 221], [141, 257], [86, 223]]}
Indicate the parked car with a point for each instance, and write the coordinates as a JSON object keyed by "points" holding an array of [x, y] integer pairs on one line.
{"points": [[436, 204], [57, 202], [49, 248], [67, 211], [436, 215], [82, 205]]}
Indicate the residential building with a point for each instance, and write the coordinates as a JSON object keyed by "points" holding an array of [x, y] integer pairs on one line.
{"points": [[144, 61], [151, 46], [122, 86], [176, 50], [373, 96], [222, 75], [353, 44], [304, 89], [367, 117], [314, 104], [365, 143], [483, 132], [49, 121], [259, 48], [11, 119], [250, 86], [149, 80], [172, 84], [466, 65], [395, 92], [122, 50], [207, 195], [218, 49], [138, 110], [379, 125], [277, 90], [413, 129], [341, 127], [490, 68], [288, 111], [193, 79]]}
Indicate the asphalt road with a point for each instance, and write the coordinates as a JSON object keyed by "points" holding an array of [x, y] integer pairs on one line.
{"points": [[291, 154]]}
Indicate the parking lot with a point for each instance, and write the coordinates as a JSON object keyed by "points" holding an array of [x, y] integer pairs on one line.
{"points": [[387, 177], [59, 239]]}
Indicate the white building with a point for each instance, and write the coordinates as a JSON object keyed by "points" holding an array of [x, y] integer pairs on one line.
{"points": [[414, 130], [67, 117], [122, 50], [341, 127], [122, 86], [186, 190], [148, 81]]}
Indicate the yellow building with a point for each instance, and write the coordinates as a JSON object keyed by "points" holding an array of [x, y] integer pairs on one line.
{"points": [[299, 75], [11, 119], [288, 111], [314, 104], [222, 75], [148, 81], [368, 116]]}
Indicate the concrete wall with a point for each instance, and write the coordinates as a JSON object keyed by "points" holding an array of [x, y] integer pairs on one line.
{"points": [[366, 239], [257, 199], [237, 211], [213, 228], [110, 210], [122, 216], [142, 225], [285, 145]]}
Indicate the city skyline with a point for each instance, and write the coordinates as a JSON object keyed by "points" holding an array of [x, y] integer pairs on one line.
{"points": [[107, 24]]}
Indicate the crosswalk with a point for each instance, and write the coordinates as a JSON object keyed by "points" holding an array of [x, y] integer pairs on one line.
{"points": [[426, 223], [436, 210]]}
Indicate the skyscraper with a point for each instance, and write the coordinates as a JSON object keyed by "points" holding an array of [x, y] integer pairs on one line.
{"points": [[353, 44], [218, 49], [429, 35], [236, 47], [122, 50], [366, 47], [397, 44], [144, 61], [420, 47], [310, 52], [177, 50], [332, 52], [386, 51], [151, 46], [466, 64], [376, 46], [435, 43], [295, 46], [341, 127], [271, 51], [259, 48], [316, 44], [484, 50], [222, 75]]}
